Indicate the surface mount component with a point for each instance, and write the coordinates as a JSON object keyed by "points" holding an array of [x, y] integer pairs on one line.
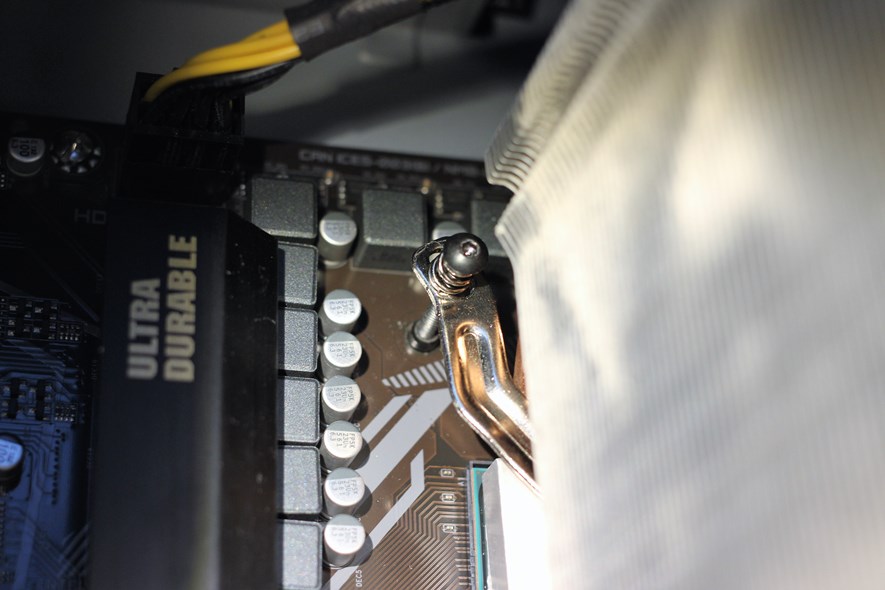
{"points": [[340, 398], [473, 347], [342, 442], [284, 208], [337, 235], [25, 155], [343, 538], [343, 491], [298, 275], [298, 420], [301, 555], [298, 337], [393, 225], [299, 482], [484, 215], [340, 354], [340, 311]]}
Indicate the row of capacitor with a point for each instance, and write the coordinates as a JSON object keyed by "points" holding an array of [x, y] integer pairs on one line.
{"points": [[344, 490]]}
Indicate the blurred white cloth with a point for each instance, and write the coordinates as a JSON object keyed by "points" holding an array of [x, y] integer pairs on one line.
{"points": [[699, 246]]}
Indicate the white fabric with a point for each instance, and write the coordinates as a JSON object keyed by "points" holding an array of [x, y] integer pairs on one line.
{"points": [[699, 251]]}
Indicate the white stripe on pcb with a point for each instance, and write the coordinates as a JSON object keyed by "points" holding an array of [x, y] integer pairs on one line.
{"points": [[409, 378], [417, 375], [403, 435], [381, 419], [430, 378], [432, 368]]}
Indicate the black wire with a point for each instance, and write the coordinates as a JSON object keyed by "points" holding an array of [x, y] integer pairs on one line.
{"points": [[245, 81], [254, 80]]}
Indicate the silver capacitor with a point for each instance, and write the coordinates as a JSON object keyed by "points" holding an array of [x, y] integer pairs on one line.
{"points": [[340, 354], [336, 237], [343, 491], [340, 397], [343, 537], [444, 229], [341, 443], [340, 311]]}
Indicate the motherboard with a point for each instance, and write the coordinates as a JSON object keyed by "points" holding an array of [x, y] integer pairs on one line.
{"points": [[177, 375]]}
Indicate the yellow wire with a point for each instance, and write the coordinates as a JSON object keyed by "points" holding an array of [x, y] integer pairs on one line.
{"points": [[222, 66], [274, 29], [269, 46], [242, 48]]}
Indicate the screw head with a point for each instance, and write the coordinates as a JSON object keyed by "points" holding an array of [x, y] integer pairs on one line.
{"points": [[465, 255]]}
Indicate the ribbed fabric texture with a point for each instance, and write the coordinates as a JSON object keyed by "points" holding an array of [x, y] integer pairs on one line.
{"points": [[699, 248]]}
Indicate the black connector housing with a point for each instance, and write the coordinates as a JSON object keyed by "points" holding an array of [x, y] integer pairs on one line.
{"points": [[183, 147]]}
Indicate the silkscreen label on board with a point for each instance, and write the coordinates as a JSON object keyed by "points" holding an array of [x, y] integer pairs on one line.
{"points": [[162, 329]]}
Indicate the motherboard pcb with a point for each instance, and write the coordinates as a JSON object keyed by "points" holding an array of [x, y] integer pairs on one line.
{"points": [[61, 328], [420, 451], [51, 250]]}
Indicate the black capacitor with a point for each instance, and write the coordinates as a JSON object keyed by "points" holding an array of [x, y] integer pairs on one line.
{"points": [[25, 155]]}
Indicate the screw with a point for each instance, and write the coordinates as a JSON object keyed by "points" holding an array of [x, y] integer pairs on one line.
{"points": [[423, 335], [463, 257]]}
